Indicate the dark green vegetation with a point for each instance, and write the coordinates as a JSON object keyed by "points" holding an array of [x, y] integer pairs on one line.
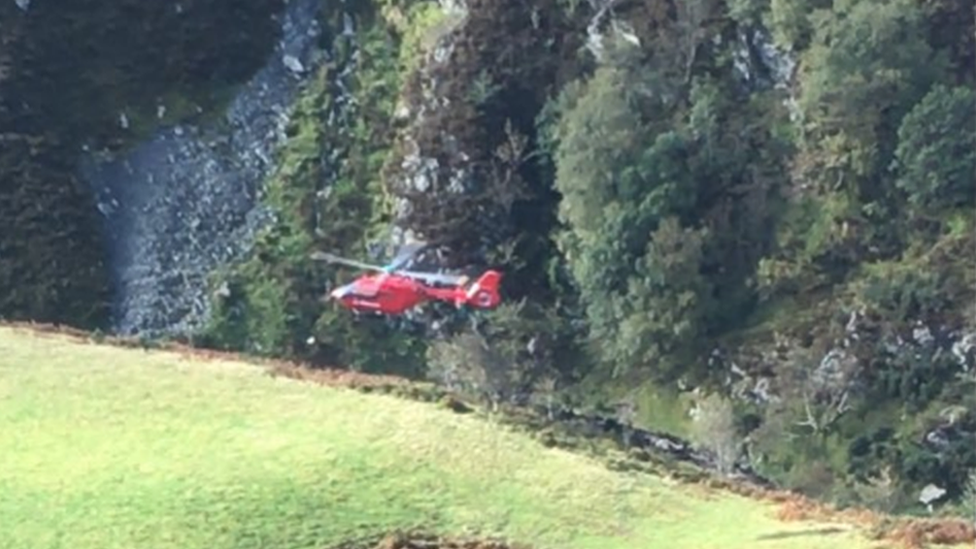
{"points": [[67, 75], [660, 219], [672, 206]]}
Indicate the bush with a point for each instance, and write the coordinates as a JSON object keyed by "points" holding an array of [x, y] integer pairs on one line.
{"points": [[936, 155], [714, 428]]}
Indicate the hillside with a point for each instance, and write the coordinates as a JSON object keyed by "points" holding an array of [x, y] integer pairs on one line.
{"points": [[114, 447], [746, 225]]}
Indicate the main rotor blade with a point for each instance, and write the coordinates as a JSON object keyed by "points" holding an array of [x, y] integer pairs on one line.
{"points": [[407, 251], [324, 256]]}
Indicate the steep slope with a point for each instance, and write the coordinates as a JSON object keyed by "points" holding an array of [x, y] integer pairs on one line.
{"points": [[113, 447]]}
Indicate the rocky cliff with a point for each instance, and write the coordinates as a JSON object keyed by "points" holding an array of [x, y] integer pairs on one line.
{"points": [[188, 198]]}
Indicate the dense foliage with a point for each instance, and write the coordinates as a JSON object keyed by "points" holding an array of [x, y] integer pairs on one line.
{"points": [[720, 217]]}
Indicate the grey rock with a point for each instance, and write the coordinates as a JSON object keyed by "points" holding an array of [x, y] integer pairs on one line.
{"points": [[930, 494], [185, 207], [293, 64]]}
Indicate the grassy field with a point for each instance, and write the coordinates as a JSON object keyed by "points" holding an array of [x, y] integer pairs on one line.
{"points": [[105, 447]]}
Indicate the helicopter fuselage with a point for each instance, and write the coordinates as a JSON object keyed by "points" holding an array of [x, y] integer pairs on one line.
{"points": [[392, 294]]}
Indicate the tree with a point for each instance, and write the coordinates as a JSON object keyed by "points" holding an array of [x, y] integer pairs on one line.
{"points": [[789, 22], [467, 363], [868, 64], [714, 429], [691, 30], [819, 383], [936, 156], [626, 187], [598, 134], [545, 389], [738, 167], [626, 412], [667, 300], [879, 492], [503, 358]]}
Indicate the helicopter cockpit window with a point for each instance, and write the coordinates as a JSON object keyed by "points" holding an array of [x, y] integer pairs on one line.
{"points": [[364, 289]]}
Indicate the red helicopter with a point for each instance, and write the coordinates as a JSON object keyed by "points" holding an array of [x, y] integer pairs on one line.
{"points": [[394, 291]]}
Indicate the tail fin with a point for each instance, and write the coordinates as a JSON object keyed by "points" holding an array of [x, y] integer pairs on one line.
{"points": [[484, 294]]}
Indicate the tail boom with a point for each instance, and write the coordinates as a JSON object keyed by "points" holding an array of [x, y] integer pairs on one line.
{"points": [[483, 293]]}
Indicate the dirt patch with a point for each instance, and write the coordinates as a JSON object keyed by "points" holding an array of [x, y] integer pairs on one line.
{"points": [[906, 532], [919, 533], [336, 377], [797, 508], [427, 541]]}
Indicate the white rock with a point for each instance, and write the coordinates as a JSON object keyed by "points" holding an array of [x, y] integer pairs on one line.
{"points": [[930, 494], [224, 289], [293, 64], [962, 347], [922, 334]]}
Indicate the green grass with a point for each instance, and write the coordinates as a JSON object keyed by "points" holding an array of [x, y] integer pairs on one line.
{"points": [[105, 447]]}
